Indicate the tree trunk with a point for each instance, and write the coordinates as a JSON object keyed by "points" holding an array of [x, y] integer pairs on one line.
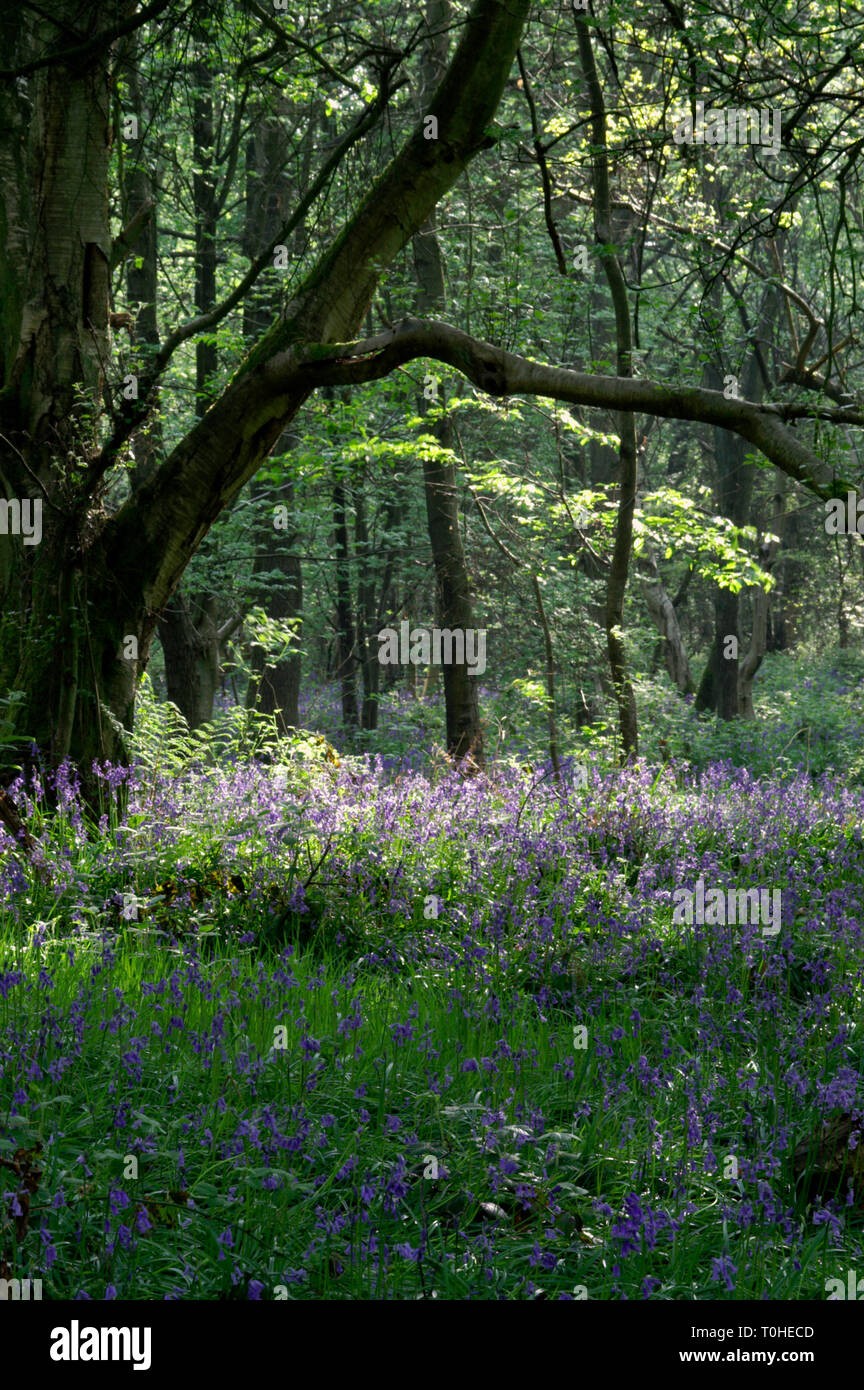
{"points": [[187, 627], [141, 267], [719, 689], [275, 685], [367, 626], [734, 493], [453, 597], [785, 606], [65, 609], [204, 203], [190, 641], [551, 703], [464, 734], [388, 605], [755, 653], [620, 567], [275, 688], [841, 545], [665, 619], [346, 641]]}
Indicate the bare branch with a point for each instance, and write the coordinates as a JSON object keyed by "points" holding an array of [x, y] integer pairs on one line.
{"points": [[540, 155]]}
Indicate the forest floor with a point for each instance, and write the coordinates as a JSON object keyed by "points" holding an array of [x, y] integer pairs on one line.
{"points": [[318, 1031]]}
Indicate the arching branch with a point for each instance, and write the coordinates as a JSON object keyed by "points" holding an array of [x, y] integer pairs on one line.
{"points": [[500, 373]]}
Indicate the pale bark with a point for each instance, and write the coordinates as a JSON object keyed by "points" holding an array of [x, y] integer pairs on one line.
{"points": [[665, 619]]}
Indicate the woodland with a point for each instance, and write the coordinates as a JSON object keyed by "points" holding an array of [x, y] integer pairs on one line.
{"points": [[431, 670]]}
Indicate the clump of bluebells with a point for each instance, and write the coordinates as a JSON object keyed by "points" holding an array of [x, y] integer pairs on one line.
{"points": [[359, 1035]]}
